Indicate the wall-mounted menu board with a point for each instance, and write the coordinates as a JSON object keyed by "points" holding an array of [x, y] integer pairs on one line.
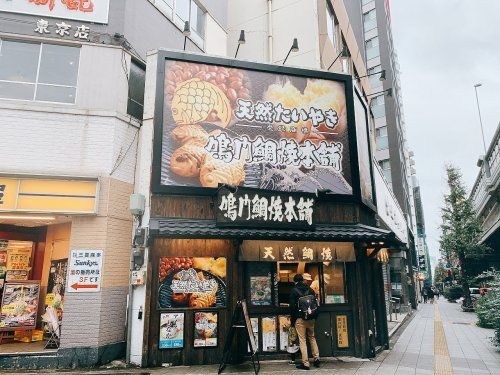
{"points": [[19, 305]]}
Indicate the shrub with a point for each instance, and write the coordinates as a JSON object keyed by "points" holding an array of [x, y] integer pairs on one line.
{"points": [[488, 308], [453, 293]]}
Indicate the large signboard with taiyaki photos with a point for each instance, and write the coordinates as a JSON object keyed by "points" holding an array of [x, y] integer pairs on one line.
{"points": [[253, 125]]}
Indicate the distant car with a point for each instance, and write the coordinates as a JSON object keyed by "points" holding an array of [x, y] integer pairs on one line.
{"points": [[474, 291]]}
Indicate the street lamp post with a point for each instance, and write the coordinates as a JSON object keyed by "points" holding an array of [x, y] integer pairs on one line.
{"points": [[485, 161]]}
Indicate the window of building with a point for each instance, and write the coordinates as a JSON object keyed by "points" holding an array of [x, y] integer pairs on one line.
{"points": [[334, 282], [381, 138], [332, 28], [374, 77], [372, 49], [181, 11], [137, 80], [377, 105], [270, 284], [386, 169], [370, 20], [38, 71]]}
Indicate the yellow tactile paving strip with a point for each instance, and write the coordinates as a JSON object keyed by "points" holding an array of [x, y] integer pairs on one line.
{"points": [[442, 361]]}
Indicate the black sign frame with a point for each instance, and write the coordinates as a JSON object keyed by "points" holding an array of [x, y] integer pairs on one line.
{"points": [[222, 221], [163, 55]]}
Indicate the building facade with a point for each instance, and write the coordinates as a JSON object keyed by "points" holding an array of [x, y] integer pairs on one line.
{"points": [[71, 98], [485, 200], [392, 150]]}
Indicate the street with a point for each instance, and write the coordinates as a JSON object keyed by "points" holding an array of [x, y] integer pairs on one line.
{"points": [[440, 339]]}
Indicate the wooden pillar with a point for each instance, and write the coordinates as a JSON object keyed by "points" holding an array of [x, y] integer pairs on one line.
{"points": [[363, 348]]}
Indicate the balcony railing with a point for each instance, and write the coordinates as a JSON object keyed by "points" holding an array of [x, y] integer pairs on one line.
{"points": [[485, 185]]}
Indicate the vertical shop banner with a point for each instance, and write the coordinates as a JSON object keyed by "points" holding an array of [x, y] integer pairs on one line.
{"points": [[364, 157], [84, 10], [56, 286], [268, 334], [192, 282], [205, 329], [85, 271], [253, 128], [19, 305], [342, 332], [171, 331]]}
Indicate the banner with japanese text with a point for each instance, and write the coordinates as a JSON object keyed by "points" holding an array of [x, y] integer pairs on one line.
{"points": [[82, 10], [253, 128]]}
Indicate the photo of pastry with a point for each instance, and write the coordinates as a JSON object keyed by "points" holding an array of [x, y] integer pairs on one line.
{"points": [[195, 283], [224, 125], [19, 305], [205, 329], [171, 330], [260, 290]]}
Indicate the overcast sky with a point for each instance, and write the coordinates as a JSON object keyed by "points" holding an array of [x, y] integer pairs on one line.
{"points": [[444, 47]]}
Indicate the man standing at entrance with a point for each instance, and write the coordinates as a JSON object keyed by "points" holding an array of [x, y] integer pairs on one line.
{"points": [[304, 308]]}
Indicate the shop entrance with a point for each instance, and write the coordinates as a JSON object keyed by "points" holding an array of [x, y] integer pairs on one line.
{"points": [[33, 267]]}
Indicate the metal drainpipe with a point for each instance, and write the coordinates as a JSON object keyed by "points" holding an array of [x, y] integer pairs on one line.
{"points": [[270, 30], [129, 310]]}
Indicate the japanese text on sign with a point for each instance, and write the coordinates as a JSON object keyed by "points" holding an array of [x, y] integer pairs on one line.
{"points": [[283, 152], [63, 29], [268, 112], [262, 208], [84, 10], [342, 332], [85, 271]]}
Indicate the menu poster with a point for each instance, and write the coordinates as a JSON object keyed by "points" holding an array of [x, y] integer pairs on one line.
{"points": [[254, 322], [269, 334], [284, 324], [205, 329], [260, 290], [16, 275], [196, 283], [19, 305], [18, 259], [56, 285], [171, 331]]}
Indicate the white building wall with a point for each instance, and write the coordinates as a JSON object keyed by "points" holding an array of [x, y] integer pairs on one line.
{"points": [[93, 137], [290, 19]]}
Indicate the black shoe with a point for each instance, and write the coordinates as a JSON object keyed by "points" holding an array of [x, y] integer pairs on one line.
{"points": [[302, 367], [316, 363]]}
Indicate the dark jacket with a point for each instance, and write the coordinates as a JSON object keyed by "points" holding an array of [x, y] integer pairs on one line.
{"points": [[298, 291]]}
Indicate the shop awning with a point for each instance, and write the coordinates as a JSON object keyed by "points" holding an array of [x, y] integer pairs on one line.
{"points": [[196, 228]]}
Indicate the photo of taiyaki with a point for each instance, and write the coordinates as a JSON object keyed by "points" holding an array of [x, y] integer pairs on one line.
{"points": [[214, 171], [194, 100]]}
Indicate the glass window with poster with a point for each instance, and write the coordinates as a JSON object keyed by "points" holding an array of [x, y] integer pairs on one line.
{"points": [[334, 282]]}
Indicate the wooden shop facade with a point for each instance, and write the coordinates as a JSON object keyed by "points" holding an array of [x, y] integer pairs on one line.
{"points": [[260, 172]]}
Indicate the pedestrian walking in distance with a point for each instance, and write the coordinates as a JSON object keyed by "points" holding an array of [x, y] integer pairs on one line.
{"points": [[431, 295], [425, 295], [304, 310]]}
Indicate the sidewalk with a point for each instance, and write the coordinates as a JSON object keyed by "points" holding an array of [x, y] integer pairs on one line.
{"points": [[440, 339]]}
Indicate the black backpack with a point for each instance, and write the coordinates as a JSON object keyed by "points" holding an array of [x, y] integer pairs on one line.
{"points": [[308, 306]]}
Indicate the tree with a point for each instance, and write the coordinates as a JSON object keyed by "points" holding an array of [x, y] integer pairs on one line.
{"points": [[439, 274], [460, 229]]}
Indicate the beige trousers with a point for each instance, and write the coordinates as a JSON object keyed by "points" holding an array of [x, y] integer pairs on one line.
{"points": [[306, 326]]}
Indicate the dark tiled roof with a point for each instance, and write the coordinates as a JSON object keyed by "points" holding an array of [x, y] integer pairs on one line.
{"points": [[194, 228]]}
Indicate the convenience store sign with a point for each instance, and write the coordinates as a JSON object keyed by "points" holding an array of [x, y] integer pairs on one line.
{"points": [[48, 195]]}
